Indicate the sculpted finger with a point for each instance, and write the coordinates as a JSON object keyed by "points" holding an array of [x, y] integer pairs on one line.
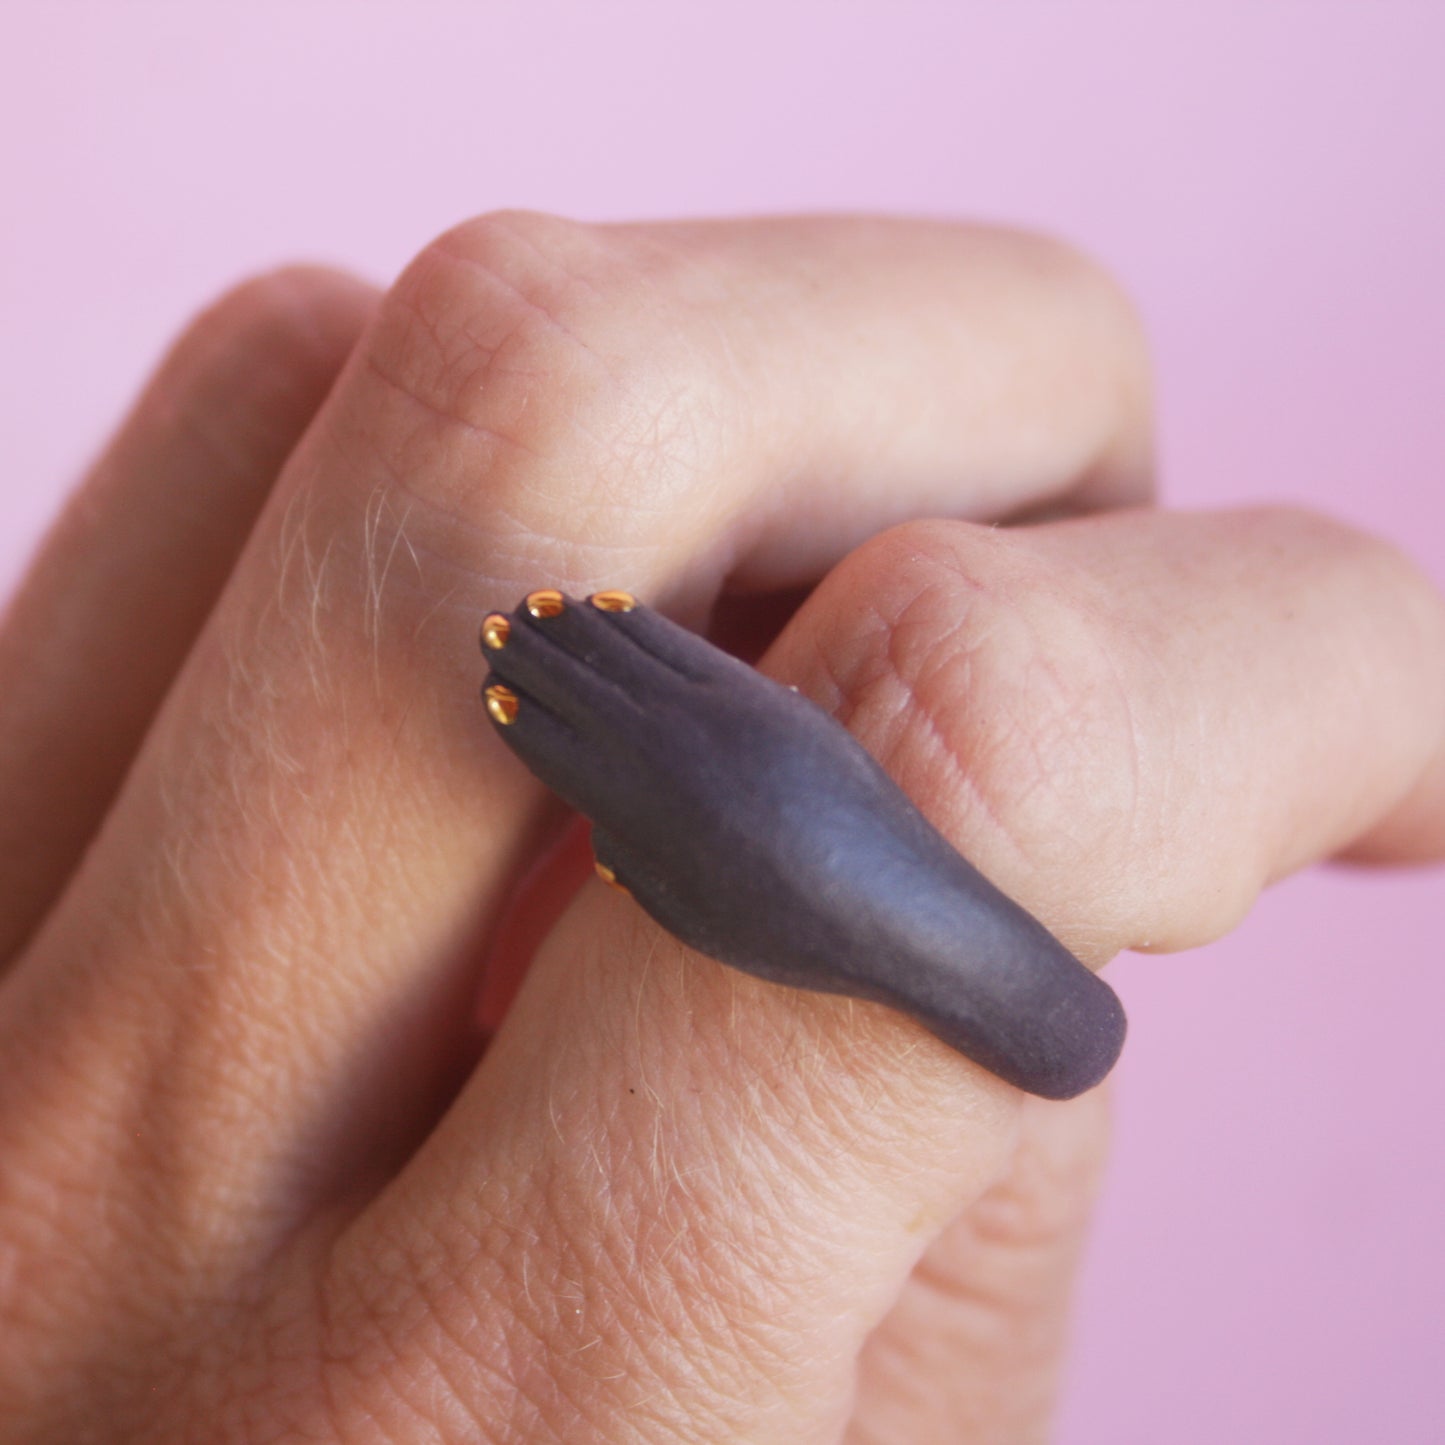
{"points": [[672, 1187], [287, 900], [112, 604]]}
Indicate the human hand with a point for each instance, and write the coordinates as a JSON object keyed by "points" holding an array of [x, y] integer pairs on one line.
{"points": [[254, 1184]]}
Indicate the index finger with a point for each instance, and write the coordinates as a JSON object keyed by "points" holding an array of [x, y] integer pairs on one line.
{"points": [[674, 408]]}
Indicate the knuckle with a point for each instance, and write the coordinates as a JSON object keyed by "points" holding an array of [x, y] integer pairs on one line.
{"points": [[244, 376], [1095, 283], [558, 355], [991, 690], [480, 317], [1094, 291], [293, 313], [1082, 296], [1046, 1194]]}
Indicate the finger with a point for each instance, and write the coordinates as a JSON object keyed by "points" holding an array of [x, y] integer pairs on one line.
{"points": [[1413, 832], [123, 583], [320, 814], [1131, 724], [972, 1351]]}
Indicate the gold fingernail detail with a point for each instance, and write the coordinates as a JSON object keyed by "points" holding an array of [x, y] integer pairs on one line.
{"points": [[502, 704], [546, 603], [613, 601], [609, 877], [496, 629]]}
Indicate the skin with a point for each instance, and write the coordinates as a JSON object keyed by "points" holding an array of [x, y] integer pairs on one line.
{"points": [[261, 1175]]}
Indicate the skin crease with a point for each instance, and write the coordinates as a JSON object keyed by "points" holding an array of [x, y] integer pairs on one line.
{"points": [[263, 1178]]}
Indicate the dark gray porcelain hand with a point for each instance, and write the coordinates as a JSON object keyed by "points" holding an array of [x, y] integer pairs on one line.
{"points": [[754, 828]]}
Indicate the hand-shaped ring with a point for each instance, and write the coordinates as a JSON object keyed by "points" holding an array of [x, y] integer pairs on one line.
{"points": [[757, 830]]}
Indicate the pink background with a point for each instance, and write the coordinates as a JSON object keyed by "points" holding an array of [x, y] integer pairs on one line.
{"points": [[1266, 177]]}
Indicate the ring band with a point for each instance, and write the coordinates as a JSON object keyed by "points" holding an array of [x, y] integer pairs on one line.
{"points": [[756, 829]]}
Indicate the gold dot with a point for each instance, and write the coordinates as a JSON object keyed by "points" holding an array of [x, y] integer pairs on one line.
{"points": [[546, 603], [613, 601], [502, 704], [609, 877], [496, 629]]}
